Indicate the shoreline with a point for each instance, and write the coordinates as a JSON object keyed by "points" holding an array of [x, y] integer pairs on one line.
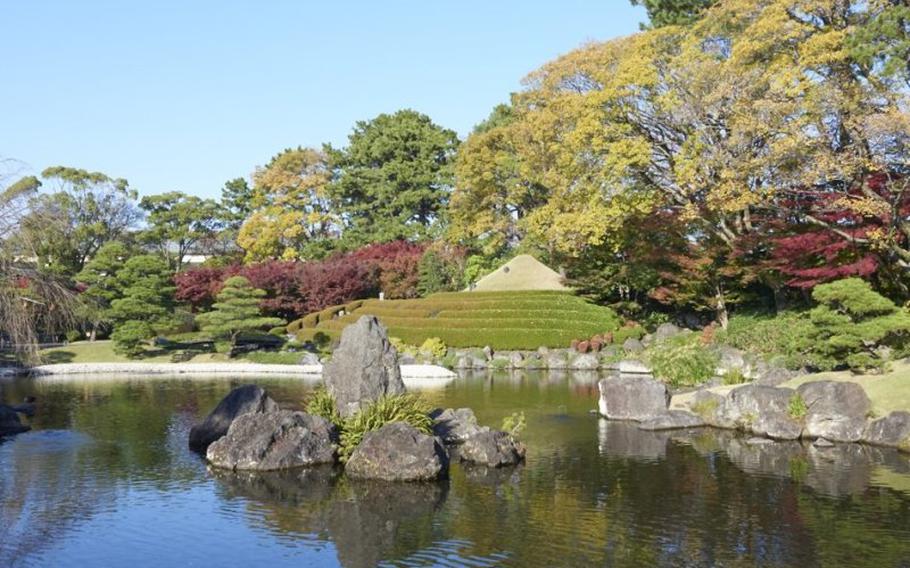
{"points": [[153, 369]]}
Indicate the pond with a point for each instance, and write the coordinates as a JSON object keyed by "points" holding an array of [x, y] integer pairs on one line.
{"points": [[105, 478]]}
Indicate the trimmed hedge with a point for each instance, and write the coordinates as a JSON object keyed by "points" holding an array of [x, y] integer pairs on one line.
{"points": [[502, 320]]}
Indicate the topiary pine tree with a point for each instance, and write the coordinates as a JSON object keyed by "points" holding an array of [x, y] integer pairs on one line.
{"points": [[236, 311], [852, 324]]}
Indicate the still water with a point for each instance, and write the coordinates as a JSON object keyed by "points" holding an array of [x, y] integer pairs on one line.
{"points": [[106, 479]]}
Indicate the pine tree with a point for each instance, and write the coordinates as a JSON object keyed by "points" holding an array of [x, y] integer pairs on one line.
{"points": [[236, 311]]}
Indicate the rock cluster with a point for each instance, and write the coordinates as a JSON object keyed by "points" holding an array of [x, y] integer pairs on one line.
{"points": [[248, 432], [823, 410], [10, 423]]}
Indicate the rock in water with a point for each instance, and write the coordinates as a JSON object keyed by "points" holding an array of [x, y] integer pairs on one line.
{"points": [[836, 410], [10, 423], [363, 368], [281, 439], [455, 426], [492, 448], [633, 398], [242, 400], [672, 420], [398, 452], [892, 430]]}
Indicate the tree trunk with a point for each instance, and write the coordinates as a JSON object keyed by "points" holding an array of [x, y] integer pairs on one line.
{"points": [[723, 318]]}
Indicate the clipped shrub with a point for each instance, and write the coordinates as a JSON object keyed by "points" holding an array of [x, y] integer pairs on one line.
{"points": [[784, 337], [130, 338], [681, 361], [851, 321], [435, 346]]}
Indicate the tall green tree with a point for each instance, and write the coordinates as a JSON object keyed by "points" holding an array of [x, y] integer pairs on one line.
{"points": [[146, 302], [67, 226], [102, 286], [236, 201], [673, 12], [394, 178], [179, 224], [236, 311]]}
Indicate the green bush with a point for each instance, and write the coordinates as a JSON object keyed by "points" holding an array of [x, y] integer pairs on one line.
{"points": [[851, 322], [74, 335], [514, 424], [130, 338], [408, 408], [434, 346], [681, 360], [784, 337]]}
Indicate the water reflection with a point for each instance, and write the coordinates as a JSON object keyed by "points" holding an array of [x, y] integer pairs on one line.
{"points": [[106, 478]]}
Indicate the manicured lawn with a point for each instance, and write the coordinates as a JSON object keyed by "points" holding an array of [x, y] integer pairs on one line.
{"points": [[502, 320], [103, 352]]}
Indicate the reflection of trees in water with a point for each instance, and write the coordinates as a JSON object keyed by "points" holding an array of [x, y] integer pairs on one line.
{"points": [[46, 487]]}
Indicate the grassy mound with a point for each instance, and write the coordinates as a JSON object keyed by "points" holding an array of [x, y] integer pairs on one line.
{"points": [[502, 320]]}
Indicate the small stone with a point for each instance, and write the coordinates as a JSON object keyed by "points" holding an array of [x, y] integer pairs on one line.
{"points": [[455, 426], [492, 448], [632, 345], [823, 443]]}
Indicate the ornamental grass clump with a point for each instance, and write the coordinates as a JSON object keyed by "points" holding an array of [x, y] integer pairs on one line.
{"points": [[681, 361], [408, 408]]}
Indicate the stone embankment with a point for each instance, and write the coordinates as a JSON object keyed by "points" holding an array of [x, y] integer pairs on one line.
{"points": [[820, 410]]}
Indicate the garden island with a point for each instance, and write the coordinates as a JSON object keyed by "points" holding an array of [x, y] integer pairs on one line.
{"points": [[653, 310]]}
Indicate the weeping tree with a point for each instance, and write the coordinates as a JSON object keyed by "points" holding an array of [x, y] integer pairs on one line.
{"points": [[31, 302]]}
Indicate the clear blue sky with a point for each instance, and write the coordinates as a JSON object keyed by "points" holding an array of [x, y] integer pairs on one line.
{"points": [[185, 95]]}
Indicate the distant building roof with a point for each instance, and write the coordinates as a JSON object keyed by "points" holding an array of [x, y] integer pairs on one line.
{"points": [[524, 272]]}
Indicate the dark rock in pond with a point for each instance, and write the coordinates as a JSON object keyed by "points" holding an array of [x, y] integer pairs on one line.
{"points": [[290, 487], [398, 452], [632, 345], [276, 440], [492, 448], [455, 426], [26, 408], [363, 368], [672, 420], [836, 410], [776, 425], [10, 423], [632, 398], [242, 400], [893, 430]]}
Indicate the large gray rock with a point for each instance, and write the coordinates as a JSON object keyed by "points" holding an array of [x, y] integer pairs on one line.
{"points": [[672, 420], [10, 423], [363, 368], [398, 452], [281, 439], [774, 376], [759, 409], [455, 426], [892, 430], [585, 362], [730, 359], [242, 400], [633, 345], [632, 398], [632, 367], [492, 448], [836, 410]]}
